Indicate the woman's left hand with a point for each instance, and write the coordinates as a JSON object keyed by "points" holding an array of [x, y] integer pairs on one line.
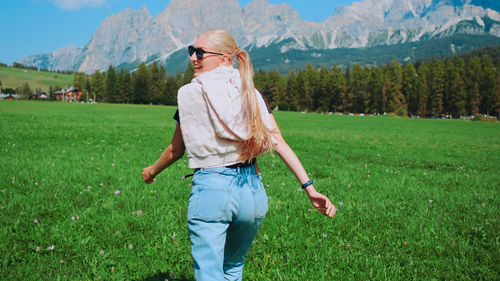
{"points": [[148, 175], [321, 202]]}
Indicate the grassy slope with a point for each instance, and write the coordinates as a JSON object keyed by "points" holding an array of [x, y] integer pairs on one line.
{"points": [[416, 199], [16, 77]]}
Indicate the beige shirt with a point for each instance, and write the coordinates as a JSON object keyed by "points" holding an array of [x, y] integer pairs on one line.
{"points": [[212, 120]]}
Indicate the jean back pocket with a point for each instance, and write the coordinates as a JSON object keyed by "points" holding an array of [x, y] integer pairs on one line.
{"points": [[209, 204]]}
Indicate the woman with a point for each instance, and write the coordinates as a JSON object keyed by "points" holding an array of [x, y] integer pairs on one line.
{"points": [[223, 125]]}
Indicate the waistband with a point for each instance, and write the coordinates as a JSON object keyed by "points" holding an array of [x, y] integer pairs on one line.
{"points": [[245, 164], [240, 165]]}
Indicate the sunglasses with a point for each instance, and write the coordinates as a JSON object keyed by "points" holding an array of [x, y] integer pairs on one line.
{"points": [[199, 52]]}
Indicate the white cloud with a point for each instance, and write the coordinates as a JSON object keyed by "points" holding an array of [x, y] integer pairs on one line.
{"points": [[77, 4]]}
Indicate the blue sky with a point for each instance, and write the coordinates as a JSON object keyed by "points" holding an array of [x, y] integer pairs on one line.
{"points": [[40, 26]]}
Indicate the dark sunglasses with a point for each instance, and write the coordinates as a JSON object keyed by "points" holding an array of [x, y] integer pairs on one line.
{"points": [[199, 52]]}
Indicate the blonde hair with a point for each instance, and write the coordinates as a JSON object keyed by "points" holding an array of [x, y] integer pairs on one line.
{"points": [[260, 136]]}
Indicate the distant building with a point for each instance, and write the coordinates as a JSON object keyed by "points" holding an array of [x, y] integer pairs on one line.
{"points": [[9, 96], [70, 94], [38, 96]]}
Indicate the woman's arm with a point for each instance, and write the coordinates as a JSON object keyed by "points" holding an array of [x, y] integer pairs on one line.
{"points": [[172, 153], [319, 201]]}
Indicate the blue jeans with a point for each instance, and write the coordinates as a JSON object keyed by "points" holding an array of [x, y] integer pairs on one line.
{"points": [[226, 208]]}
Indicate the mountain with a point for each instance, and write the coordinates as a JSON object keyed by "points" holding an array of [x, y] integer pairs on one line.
{"points": [[126, 39]]}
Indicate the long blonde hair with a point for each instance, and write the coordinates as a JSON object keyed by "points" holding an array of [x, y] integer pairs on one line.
{"points": [[260, 136]]}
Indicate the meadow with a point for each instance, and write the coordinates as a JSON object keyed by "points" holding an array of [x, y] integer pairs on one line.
{"points": [[15, 77], [417, 199]]}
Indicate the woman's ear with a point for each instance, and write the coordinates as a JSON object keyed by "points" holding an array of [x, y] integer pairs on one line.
{"points": [[225, 60]]}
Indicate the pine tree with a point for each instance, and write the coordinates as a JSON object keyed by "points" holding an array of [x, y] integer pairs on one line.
{"points": [[303, 89], [376, 88], [141, 81], [276, 87], [88, 88], [179, 79], [474, 74], [79, 82], [158, 80], [124, 87], [450, 75], [422, 88], [455, 95], [326, 90], [339, 88], [436, 88], [111, 87], [98, 82], [409, 88], [172, 86], [188, 74], [347, 96], [396, 101], [259, 80], [268, 87], [476, 99], [292, 92], [25, 91], [358, 88], [51, 93], [311, 89], [487, 87], [170, 91]]}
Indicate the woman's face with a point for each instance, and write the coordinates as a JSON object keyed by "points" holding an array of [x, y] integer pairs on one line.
{"points": [[209, 61]]}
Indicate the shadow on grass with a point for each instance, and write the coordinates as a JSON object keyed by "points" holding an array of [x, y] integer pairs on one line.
{"points": [[162, 276]]}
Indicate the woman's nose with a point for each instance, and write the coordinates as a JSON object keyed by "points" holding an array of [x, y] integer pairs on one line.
{"points": [[193, 57]]}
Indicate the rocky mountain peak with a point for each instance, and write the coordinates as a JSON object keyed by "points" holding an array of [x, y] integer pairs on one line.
{"points": [[134, 36], [264, 22], [186, 19]]}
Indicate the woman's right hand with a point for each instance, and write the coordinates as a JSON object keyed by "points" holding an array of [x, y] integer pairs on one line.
{"points": [[320, 202], [148, 174]]}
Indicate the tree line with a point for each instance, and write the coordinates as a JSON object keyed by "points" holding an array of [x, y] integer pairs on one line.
{"points": [[452, 87], [147, 85]]}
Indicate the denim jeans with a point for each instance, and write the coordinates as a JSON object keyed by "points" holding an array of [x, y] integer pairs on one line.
{"points": [[226, 208]]}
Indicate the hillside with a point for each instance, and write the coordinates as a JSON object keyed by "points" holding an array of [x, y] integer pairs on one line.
{"points": [[15, 77]]}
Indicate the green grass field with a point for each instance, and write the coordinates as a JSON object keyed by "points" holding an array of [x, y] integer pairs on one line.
{"points": [[15, 77], [417, 199]]}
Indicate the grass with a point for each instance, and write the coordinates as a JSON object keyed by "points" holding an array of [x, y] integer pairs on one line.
{"points": [[416, 199], [15, 77]]}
